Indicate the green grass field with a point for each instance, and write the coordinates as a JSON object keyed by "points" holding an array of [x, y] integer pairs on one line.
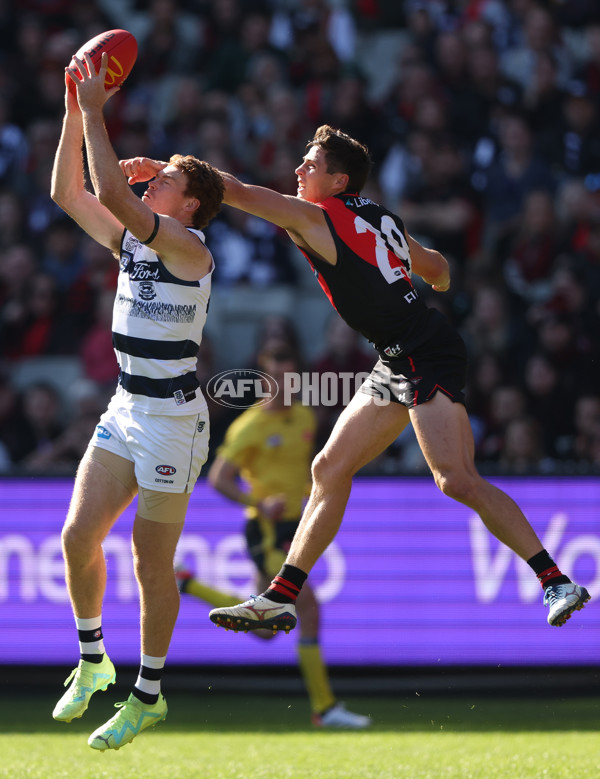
{"points": [[225, 736]]}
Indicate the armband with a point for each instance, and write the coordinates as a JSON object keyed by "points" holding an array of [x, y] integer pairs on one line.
{"points": [[156, 226]]}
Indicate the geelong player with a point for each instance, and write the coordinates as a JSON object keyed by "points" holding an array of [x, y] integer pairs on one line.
{"points": [[364, 260], [153, 438]]}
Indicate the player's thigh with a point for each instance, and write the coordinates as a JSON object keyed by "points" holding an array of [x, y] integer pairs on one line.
{"points": [[444, 434], [104, 487], [363, 431]]}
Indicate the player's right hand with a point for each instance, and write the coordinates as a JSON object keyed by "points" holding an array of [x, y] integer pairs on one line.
{"points": [[141, 168], [272, 507]]}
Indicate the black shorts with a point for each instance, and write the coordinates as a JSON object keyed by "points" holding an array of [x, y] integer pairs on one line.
{"points": [[410, 380], [268, 543]]}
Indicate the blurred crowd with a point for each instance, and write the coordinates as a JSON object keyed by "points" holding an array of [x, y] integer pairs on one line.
{"points": [[483, 120]]}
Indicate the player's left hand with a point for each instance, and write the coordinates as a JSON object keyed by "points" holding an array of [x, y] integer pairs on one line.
{"points": [[91, 92]]}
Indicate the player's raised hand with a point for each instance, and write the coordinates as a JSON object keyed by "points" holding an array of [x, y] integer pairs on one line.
{"points": [[141, 168], [91, 92]]}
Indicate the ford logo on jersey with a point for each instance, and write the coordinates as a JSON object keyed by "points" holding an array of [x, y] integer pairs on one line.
{"points": [[165, 470]]}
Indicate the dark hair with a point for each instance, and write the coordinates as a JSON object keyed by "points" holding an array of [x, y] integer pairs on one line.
{"points": [[343, 155], [203, 182]]}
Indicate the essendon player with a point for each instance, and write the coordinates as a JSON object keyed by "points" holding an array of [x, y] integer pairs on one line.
{"points": [[364, 260]]}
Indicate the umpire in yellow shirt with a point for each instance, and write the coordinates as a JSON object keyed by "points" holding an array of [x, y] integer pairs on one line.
{"points": [[270, 447]]}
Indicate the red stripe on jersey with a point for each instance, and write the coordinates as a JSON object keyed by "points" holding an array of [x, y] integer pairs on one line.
{"points": [[322, 283]]}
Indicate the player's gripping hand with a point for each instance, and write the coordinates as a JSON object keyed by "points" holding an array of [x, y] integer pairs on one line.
{"points": [[90, 85], [141, 168]]}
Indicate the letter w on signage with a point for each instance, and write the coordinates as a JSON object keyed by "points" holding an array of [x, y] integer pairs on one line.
{"points": [[490, 568]]}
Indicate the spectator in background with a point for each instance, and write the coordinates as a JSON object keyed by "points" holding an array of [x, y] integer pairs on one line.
{"points": [[507, 403], [585, 443], [589, 71], [522, 451], [232, 60], [168, 39], [18, 265], [541, 35], [516, 172], [61, 256], [528, 252], [486, 373], [61, 455], [573, 141], [42, 137], [557, 335], [12, 421], [490, 326], [546, 403], [442, 206], [490, 95], [42, 420], [12, 219], [543, 99], [13, 151], [97, 354], [34, 325], [248, 250]]}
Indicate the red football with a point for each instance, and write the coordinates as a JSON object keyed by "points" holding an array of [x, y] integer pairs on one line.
{"points": [[121, 48]]}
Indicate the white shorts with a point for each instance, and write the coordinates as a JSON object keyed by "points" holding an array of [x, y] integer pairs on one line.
{"points": [[167, 451]]}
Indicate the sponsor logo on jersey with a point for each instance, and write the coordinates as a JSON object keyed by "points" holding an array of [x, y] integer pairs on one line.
{"points": [[165, 470], [102, 432], [359, 201], [157, 311], [143, 271], [146, 290]]}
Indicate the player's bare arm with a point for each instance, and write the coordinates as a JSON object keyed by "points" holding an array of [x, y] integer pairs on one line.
{"points": [[303, 221], [180, 250], [430, 265], [68, 186]]}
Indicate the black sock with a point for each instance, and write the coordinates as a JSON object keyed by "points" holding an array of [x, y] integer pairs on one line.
{"points": [[149, 678], [286, 586], [546, 570], [90, 639], [145, 697]]}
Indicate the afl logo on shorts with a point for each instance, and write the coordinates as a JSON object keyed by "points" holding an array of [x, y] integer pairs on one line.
{"points": [[165, 470]]}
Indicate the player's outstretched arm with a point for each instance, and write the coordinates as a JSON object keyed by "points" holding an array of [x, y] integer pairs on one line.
{"points": [[286, 211], [430, 265]]}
